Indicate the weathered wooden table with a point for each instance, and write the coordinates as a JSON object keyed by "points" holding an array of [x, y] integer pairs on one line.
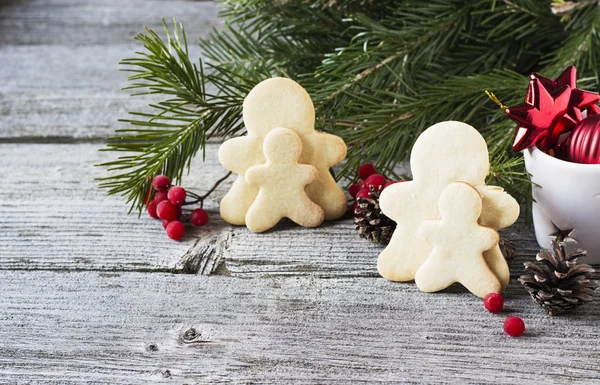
{"points": [[91, 295]]}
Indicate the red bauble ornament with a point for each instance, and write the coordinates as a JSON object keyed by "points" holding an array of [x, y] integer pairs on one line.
{"points": [[493, 303], [583, 145]]}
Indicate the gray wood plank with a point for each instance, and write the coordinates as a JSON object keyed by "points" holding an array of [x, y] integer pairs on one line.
{"points": [[56, 217], [98, 22], [58, 85], [106, 328]]}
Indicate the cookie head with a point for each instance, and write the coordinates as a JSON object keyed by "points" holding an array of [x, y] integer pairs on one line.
{"points": [[282, 145], [460, 201], [278, 102], [449, 152]]}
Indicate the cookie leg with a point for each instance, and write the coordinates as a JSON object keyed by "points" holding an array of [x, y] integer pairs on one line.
{"points": [[259, 218], [478, 278], [328, 195], [306, 213], [395, 264], [496, 262], [236, 202], [434, 275]]}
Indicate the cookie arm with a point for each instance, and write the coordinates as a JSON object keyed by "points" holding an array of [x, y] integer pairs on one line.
{"points": [[335, 149], [257, 175], [428, 229], [307, 173], [500, 209]]}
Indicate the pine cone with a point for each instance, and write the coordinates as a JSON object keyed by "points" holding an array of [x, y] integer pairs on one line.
{"points": [[557, 282], [508, 249], [371, 222]]}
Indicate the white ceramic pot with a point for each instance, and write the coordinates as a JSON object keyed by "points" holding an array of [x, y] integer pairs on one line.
{"points": [[566, 195]]}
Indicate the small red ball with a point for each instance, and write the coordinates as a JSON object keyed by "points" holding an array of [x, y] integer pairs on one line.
{"points": [[353, 189], [366, 170], [177, 195], [166, 210], [175, 230], [199, 217], [363, 193], [514, 326], [160, 196], [165, 223], [493, 302], [152, 209], [377, 181], [161, 183]]}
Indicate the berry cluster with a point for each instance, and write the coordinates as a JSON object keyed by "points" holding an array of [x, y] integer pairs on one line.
{"points": [[368, 178], [513, 326], [166, 205]]}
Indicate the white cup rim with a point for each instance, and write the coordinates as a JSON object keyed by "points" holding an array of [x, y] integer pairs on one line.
{"points": [[540, 155]]}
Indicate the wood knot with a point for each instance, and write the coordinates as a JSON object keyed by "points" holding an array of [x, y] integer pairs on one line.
{"points": [[152, 347], [166, 373], [191, 336]]}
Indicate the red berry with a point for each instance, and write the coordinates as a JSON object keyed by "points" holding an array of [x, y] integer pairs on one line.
{"points": [[493, 302], [514, 326], [161, 183], [363, 193], [160, 196], [366, 170], [166, 210], [178, 213], [177, 195], [353, 189], [376, 180], [199, 217], [175, 230], [165, 223], [152, 209]]}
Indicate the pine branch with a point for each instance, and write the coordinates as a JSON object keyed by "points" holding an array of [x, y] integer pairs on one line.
{"points": [[165, 140], [379, 73]]}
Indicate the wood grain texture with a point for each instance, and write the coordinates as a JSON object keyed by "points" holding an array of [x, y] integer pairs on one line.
{"points": [[60, 79], [106, 328], [88, 295], [56, 217], [104, 22]]}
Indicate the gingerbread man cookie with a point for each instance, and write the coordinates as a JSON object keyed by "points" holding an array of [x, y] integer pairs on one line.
{"points": [[281, 102], [446, 152], [281, 182], [458, 245]]}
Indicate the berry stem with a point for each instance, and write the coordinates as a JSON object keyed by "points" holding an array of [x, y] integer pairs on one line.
{"points": [[201, 198]]}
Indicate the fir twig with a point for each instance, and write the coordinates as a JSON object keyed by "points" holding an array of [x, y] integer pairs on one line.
{"points": [[165, 140]]}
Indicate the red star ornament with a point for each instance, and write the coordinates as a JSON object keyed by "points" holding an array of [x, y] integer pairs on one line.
{"points": [[539, 119], [580, 100]]}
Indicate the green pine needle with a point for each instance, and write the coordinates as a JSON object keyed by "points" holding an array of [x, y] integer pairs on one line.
{"points": [[379, 72]]}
